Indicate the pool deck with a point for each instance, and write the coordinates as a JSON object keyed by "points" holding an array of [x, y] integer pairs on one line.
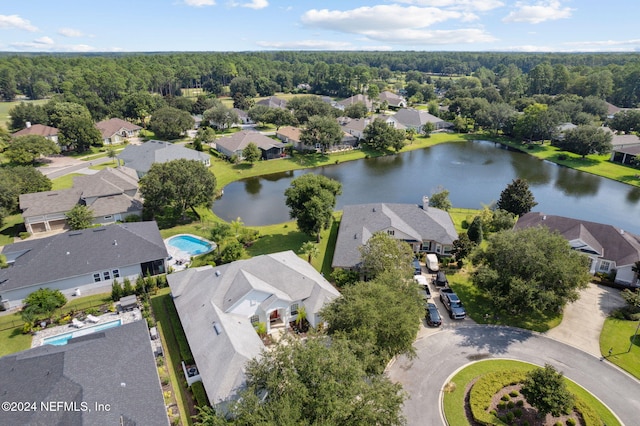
{"points": [[179, 259], [126, 318]]}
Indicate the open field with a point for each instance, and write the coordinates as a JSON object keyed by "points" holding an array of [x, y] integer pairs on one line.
{"points": [[6, 106]]}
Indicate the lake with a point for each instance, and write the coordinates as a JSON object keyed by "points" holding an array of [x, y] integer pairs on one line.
{"points": [[475, 173]]}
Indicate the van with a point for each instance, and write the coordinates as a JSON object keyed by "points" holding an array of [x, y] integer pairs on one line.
{"points": [[431, 260]]}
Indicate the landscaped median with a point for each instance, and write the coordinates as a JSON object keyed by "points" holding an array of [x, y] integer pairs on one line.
{"points": [[481, 385]]}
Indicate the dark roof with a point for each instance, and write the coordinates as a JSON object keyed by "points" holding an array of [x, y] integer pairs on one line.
{"points": [[415, 118], [240, 140], [141, 157], [608, 241], [37, 129], [76, 253], [115, 367], [359, 222]]}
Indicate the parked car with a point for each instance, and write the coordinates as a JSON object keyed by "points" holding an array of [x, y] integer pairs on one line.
{"points": [[431, 260], [452, 303], [432, 315], [422, 281], [440, 280], [417, 269]]}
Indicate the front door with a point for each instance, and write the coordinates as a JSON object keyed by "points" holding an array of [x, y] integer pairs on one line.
{"points": [[275, 315]]}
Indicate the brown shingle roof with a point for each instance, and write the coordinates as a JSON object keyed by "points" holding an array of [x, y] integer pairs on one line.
{"points": [[112, 126], [37, 129]]}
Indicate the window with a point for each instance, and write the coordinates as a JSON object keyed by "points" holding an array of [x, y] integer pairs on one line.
{"points": [[391, 232], [96, 278], [106, 275], [255, 319], [605, 265], [116, 273], [294, 309]]}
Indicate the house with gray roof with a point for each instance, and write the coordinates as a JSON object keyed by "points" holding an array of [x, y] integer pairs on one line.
{"points": [[426, 229], [234, 144], [273, 102], [609, 248], [86, 260], [415, 119], [353, 100], [219, 307], [105, 378], [116, 130], [392, 100], [141, 157], [111, 195]]}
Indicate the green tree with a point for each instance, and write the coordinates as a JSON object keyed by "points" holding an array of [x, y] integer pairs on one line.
{"points": [[112, 153], [178, 184], [79, 133], [279, 117], [386, 332], [585, 140], [170, 123], [383, 253], [221, 116], [463, 246], [24, 113], [632, 297], [356, 110], [251, 153], [440, 200], [305, 107], [517, 198], [27, 149], [243, 86], [530, 270], [427, 128], [311, 199], [116, 290], [379, 136], [310, 249], [321, 130], [475, 232], [79, 217], [258, 113], [536, 123], [315, 382], [232, 251], [546, 390], [19, 180], [43, 302]]}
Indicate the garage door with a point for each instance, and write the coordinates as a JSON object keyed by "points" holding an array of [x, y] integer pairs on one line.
{"points": [[56, 225], [38, 227]]}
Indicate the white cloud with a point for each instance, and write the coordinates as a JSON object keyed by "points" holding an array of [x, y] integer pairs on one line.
{"points": [[379, 18], [307, 45], [541, 11], [44, 40], [432, 37], [47, 44], [70, 32], [256, 4], [16, 22], [479, 5], [200, 3]]}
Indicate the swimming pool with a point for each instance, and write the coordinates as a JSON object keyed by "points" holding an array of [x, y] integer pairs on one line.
{"points": [[62, 339], [190, 244]]}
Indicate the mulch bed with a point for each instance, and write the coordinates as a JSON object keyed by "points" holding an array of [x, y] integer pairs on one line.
{"points": [[529, 413]]}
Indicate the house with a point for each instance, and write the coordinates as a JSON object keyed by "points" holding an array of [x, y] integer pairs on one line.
{"points": [[234, 144], [115, 130], [341, 105], [561, 129], [416, 119], [111, 194], [290, 135], [610, 249], [624, 147], [356, 126], [219, 308], [105, 378], [273, 102], [243, 116], [48, 132], [85, 260], [141, 157], [426, 229], [393, 101]]}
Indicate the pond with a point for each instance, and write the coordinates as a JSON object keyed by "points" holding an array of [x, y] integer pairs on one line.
{"points": [[475, 173]]}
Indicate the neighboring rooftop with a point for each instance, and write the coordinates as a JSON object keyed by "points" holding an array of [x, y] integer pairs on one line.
{"points": [[37, 129], [141, 157], [112, 126]]}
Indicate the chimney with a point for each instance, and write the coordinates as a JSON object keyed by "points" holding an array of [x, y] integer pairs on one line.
{"points": [[28, 124], [425, 202]]}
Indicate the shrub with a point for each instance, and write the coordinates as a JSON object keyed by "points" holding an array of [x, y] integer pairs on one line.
{"points": [[519, 403], [486, 387], [199, 394], [510, 404], [510, 417], [514, 393], [525, 423], [24, 235], [91, 311], [505, 397], [502, 405], [557, 424], [517, 412], [164, 376], [571, 422]]}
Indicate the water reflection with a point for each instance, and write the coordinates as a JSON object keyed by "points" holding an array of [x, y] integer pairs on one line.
{"points": [[252, 185], [576, 184]]}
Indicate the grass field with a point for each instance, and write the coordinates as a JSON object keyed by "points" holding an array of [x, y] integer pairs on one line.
{"points": [[454, 401], [618, 335], [6, 106]]}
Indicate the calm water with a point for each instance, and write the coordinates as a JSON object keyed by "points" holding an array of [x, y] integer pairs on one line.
{"points": [[474, 173]]}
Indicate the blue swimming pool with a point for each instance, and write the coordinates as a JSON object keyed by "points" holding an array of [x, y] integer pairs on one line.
{"points": [[190, 244], [62, 339]]}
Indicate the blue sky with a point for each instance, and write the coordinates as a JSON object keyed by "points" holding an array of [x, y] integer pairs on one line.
{"points": [[252, 25]]}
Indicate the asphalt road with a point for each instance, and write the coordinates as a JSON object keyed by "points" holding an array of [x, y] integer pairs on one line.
{"points": [[443, 352]]}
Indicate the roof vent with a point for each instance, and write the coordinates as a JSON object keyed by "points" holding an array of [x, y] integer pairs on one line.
{"points": [[622, 232], [544, 217], [115, 242], [374, 209], [218, 273], [123, 385], [217, 328]]}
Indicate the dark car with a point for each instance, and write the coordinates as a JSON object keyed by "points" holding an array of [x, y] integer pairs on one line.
{"points": [[432, 315], [441, 280], [417, 269]]}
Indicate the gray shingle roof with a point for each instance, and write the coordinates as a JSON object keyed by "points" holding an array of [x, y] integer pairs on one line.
{"points": [[359, 222], [273, 102], [77, 253], [207, 295], [240, 140], [614, 244], [141, 157], [415, 118], [115, 367]]}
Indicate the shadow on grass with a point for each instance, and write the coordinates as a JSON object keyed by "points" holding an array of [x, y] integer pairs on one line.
{"points": [[326, 268], [13, 230], [291, 240]]}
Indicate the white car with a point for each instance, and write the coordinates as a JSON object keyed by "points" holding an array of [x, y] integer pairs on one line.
{"points": [[420, 279], [431, 260]]}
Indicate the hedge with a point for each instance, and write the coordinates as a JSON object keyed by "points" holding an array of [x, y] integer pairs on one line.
{"points": [[199, 394], [485, 388]]}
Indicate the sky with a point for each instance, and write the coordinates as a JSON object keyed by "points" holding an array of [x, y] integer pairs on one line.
{"points": [[258, 25]]}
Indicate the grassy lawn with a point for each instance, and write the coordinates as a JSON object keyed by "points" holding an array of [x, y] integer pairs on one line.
{"points": [[12, 225], [160, 304], [13, 340], [454, 401], [617, 334]]}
